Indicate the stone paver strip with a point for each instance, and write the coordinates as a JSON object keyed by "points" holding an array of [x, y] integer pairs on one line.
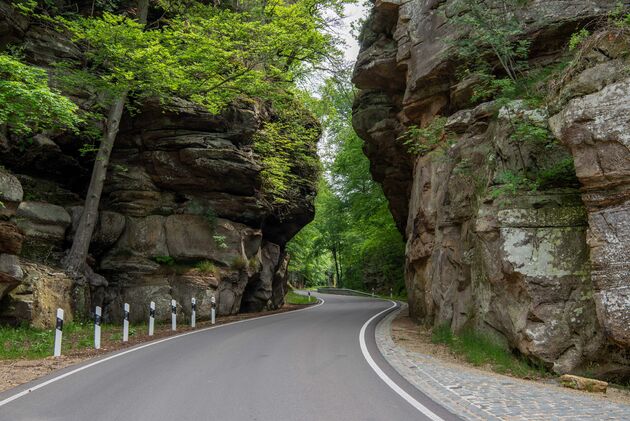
{"points": [[475, 395]]}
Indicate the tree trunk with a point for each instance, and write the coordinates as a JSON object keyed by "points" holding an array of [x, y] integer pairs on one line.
{"points": [[334, 253], [74, 263], [75, 260]]}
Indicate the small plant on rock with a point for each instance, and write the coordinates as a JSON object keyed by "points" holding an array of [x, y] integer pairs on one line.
{"points": [[206, 266], [164, 260], [422, 140], [219, 240], [239, 263]]}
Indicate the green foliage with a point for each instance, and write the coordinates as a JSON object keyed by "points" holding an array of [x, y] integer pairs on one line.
{"points": [[492, 30], [481, 350], [206, 266], [353, 238], [239, 263], [560, 174], [620, 16], [164, 260], [578, 38], [510, 183], [422, 140], [286, 146], [295, 298], [28, 103], [527, 130], [219, 240], [211, 55]]}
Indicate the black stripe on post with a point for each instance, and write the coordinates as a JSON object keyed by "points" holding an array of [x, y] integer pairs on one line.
{"points": [[126, 315], [174, 309], [59, 325], [152, 312], [97, 320], [194, 306]]}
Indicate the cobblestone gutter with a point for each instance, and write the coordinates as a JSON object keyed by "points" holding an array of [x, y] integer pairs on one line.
{"points": [[475, 395]]}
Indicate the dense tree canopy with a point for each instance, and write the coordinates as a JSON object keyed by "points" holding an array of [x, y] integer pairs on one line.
{"points": [[353, 238], [28, 103]]}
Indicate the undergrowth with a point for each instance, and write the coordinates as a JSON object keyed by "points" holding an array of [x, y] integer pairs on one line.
{"points": [[295, 298], [481, 350], [31, 343]]}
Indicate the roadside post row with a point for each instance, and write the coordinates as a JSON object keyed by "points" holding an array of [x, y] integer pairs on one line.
{"points": [[98, 319]]}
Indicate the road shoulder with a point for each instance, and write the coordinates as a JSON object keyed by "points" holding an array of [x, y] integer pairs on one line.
{"points": [[17, 372], [476, 395]]}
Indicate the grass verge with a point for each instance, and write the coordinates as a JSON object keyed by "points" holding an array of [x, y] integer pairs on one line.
{"points": [[480, 349], [295, 298], [31, 343]]}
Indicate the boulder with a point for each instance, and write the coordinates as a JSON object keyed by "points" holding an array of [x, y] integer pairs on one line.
{"points": [[43, 220], [44, 225], [11, 193], [582, 383], [108, 229], [42, 291], [195, 237]]}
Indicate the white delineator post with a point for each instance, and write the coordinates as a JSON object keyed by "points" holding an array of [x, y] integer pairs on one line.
{"points": [[151, 318], [58, 333], [309, 296], [173, 315], [193, 312], [391, 293], [126, 323], [97, 327], [213, 311]]}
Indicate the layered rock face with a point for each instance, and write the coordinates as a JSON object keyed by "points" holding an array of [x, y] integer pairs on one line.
{"points": [[183, 213], [545, 269]]}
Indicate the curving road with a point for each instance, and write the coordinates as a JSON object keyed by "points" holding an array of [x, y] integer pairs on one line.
{"points": [[304, 365]]}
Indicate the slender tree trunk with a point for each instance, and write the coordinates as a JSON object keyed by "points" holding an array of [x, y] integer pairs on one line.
{"points": [[80, 244], [74, 262], [334, 253]]}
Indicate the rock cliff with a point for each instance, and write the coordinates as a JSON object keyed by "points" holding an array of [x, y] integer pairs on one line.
{"points": [[184, 211], [503, 234]]}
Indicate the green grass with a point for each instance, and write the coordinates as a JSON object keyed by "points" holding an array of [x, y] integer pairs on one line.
{"points": [[30, 343], [479, 349], [295, 298], [206, 266], [25, 342]]}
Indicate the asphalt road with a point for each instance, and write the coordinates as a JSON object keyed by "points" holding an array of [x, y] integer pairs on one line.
{"points": [[304, 365]]}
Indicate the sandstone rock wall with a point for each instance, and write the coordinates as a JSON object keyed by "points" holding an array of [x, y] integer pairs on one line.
{"points": [[545, 271], [183, 213]]}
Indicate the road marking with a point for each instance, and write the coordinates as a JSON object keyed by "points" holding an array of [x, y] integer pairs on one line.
{"points": [[120, 354], [388, 381]]}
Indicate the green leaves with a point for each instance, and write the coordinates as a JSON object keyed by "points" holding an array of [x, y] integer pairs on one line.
{"points": [[493, 33], [208, 54], [353, 235], [422, 140], [27, 103], [286, 146]]}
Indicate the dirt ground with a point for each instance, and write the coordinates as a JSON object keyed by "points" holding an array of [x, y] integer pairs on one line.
{"points": [[16, 372], [417, 338]]}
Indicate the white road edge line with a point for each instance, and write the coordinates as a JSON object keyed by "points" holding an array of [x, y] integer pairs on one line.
{"points": [[120, 354], [388, 381]]}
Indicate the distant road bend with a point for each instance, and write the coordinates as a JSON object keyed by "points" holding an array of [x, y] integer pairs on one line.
{"points": [[305, 365]]}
